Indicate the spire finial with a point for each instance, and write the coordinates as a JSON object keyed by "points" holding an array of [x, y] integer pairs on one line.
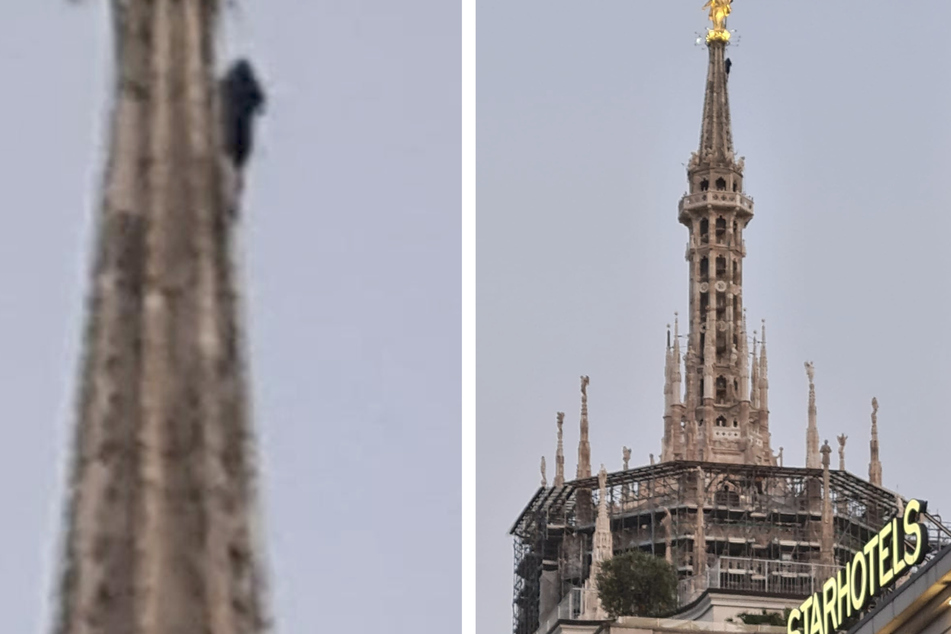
{"points": [[719, 10]]}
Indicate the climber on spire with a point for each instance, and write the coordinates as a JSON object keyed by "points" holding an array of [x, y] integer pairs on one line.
{"points": [[242, 98]]}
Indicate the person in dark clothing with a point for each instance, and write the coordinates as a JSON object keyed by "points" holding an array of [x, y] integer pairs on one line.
{"points": [[242, 98]]}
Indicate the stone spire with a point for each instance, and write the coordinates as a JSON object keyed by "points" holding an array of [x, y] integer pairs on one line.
{"points": [[763, 386], [544, 477], [813, 460], [602, 549], [560, 453], [160, 531], [754, 374], [721, 421], [874, 465], [669, 431], [673, 435], [827, 552], [668, 377], [675, 383], [716, 134], [842, 440], [584, 448]]}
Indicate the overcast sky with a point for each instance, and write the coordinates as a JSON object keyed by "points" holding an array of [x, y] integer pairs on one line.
{"points": [[587, 112], [352, 250]]}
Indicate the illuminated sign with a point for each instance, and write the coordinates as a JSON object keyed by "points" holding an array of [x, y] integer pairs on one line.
{"points": [[885, 557]]}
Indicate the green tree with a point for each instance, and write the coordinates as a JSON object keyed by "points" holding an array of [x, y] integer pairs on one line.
{"points": [[635, 583], [766, 618]]}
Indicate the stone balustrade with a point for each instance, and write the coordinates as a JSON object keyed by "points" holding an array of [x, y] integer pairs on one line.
{"points": [[716, 199]]}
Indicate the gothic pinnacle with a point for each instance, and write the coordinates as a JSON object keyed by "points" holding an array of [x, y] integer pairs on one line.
{"points": [[812, 431], [584, 448], [875, 464], [675, 392], [560, 453]]}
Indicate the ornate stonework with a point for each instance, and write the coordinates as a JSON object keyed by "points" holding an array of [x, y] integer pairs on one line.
{"points": [[723, 416]]}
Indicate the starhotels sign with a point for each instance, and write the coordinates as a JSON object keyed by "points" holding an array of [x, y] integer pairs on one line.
{"points": [[885, 558]]}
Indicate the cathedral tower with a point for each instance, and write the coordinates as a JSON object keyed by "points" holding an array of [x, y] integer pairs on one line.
{"points": [[723, 415], [160, 528]]}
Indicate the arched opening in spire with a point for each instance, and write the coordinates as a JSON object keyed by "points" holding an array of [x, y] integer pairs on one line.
{"points": [[721, 184], [704, 231], [704, 269], [721, 397], [721, 230], [721, 267], [704, 185]]}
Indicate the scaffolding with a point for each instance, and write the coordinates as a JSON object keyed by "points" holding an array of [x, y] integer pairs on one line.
{"points": [[760, 528]]}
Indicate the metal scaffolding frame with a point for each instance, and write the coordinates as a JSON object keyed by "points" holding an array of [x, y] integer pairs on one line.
{"points": [[755, 513]]}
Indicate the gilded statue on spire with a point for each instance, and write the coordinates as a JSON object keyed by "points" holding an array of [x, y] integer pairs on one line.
{"points": [[719, 10]]}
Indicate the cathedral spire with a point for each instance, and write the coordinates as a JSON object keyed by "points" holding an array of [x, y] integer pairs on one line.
{"points": [[721, 421], [675, 383], [813, 460], [560, 453], [668, 379], [874, 465], [584, 448], [826, 543]]}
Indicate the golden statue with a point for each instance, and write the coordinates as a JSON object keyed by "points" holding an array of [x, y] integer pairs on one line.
{"points": [[719, 10]]}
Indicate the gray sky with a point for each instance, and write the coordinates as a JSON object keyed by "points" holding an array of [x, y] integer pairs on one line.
{"points": [[352, 245], [586, 113]]}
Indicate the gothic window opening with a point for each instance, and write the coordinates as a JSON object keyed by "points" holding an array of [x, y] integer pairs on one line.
{"points": [[736, 228], [721, 268], [721, 398], [704, 231], [704, 269], [736, 186], [704, 303], [721, 306], [721, 185], [721, 230], [704, 185], [735, 423], [721, 346]]}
